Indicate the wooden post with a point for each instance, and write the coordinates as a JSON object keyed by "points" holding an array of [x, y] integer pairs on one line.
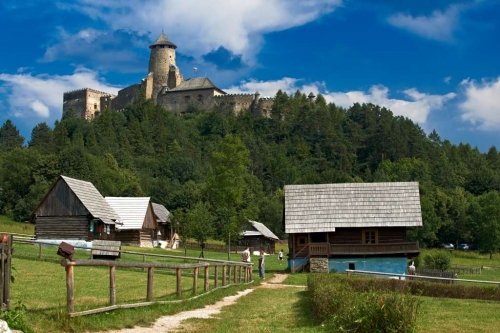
{"points": [[2, 277], [151, 274], [234, 274], [239, 274], [112, 285], [8, 272], [223, 275], [207, 270], [143, 260], [179, 282], [40, 251], [70, 295], [195, 280], [216, 279], [228, 276]]}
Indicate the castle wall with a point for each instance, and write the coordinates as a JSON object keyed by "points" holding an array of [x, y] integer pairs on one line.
{"points": [[178, 101], [83, 103], [126, 96], [75, 102], [264, 107], [147, 86], [236, 103]]}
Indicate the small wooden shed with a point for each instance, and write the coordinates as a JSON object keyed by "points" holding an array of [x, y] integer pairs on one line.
{"points": [[258, 237], [163, 219], [139, 225], [74, 209]]}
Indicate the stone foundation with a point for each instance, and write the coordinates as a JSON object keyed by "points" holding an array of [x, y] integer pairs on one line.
{"points": [[318, 265]]}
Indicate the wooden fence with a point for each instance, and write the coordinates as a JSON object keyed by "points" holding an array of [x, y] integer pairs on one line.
{"points": [[350, 272], [5, 275], [433, 273], [239, 272]]}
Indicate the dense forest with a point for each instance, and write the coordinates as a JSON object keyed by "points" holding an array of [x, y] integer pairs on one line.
{"points": [[223, 168]]}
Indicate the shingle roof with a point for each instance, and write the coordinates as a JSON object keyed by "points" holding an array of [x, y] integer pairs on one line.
{"points": [[132, 211], [324, 207], [261, 229], [92, 200], [162, 213], [196, 83], [163, 40]]}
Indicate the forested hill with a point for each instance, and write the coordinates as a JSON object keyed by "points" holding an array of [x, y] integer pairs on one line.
{"points": [[235, 167]]}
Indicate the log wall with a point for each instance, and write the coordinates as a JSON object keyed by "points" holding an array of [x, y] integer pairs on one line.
{"points": [[62, 227]]}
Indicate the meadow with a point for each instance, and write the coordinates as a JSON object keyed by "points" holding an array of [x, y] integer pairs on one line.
{"points": [[40, 287]]}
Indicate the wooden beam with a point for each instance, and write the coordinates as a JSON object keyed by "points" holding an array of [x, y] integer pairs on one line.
{"points": [[151, 275], [195, 280], [112, 286], [179, 282], [207, 271], [70, 295]]}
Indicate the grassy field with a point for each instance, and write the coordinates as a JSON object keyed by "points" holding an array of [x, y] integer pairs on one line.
{"points": [[40, 285]]}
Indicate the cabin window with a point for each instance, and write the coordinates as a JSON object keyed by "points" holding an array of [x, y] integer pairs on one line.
{"points": [[370, 236], [301, 240], [318, 237], [92, 226]]}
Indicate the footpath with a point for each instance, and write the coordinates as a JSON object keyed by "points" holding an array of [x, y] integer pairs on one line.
{"points": [[173, 322]]}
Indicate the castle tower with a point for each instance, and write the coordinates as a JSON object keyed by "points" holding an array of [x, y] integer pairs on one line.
{"points": [[162, 64]]}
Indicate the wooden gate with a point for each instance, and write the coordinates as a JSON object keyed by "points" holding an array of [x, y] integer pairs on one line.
{"points": [[6, 259]]}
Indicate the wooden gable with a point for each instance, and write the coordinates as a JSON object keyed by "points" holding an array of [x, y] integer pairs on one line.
{"points": [[61, 201]]}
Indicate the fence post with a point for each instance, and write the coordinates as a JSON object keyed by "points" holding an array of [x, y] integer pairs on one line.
{"points": [[8, 272], [216, 280], [207, 268], [151, 274], [2, 277], [70, 296], [234, 274], [239, 274], [195, 280], [40, 251], [224, 275], [112, 286], [179, 282], [143, 260]]}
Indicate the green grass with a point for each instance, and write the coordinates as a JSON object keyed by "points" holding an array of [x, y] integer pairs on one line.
{"points": [[264, 310], [40, 285]]}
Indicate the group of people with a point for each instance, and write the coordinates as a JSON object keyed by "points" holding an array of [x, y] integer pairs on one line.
{"points": [[245, 257]]}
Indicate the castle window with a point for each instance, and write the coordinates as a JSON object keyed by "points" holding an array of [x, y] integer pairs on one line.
{"points": [[95, 106], [200, 97]]}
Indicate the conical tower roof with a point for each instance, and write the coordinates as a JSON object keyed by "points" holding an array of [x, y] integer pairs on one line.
{"points": [[163, 40]]}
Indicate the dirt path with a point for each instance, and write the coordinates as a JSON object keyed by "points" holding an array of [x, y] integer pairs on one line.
{"points": [[171, 323]]}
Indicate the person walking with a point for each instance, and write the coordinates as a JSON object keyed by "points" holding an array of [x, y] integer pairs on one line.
{"points": [[261, 265], [245, 255], [280, 256]]}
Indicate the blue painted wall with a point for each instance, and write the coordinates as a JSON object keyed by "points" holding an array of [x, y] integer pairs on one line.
{"points": [[395, 265]]}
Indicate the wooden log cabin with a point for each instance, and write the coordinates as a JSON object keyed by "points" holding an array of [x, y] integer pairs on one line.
{"points": [[358, 226], [258, 237], [139, 226], [164, 224], [74, 210]]}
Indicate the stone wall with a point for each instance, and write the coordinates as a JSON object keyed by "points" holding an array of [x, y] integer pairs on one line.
{"points": [[179, 101], [318, 265], [126, 96], [84, 103]]}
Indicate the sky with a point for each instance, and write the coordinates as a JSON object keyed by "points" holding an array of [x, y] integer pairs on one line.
{"points": [[436, 62]]}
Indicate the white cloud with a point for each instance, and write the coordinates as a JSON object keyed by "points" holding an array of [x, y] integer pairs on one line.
{"points": [[39, 97], [438, 26], [447, 79], [203, 26], [481, 106], [415, 106]]}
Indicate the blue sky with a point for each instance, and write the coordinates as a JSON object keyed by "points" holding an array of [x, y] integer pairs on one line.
{"points": [[436, 62]]}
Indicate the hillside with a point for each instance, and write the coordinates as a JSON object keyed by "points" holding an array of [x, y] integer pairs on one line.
{"points": [[146, 150]]}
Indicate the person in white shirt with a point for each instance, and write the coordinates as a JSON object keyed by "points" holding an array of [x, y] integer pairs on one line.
{"points": [[280, 256], [245, 255]]}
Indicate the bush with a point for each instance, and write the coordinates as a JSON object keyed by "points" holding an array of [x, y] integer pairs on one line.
{"points": [[344, 309], [437, 260]]}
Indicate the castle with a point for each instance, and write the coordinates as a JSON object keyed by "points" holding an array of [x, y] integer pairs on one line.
{"points": [[165, 85]]}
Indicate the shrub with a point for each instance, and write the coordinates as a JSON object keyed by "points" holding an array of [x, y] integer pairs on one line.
{"points": [[350, 307], [437, 260]]}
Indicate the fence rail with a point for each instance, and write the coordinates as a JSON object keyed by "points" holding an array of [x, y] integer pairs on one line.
{"points": [[350, 272], [240, 272]]}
